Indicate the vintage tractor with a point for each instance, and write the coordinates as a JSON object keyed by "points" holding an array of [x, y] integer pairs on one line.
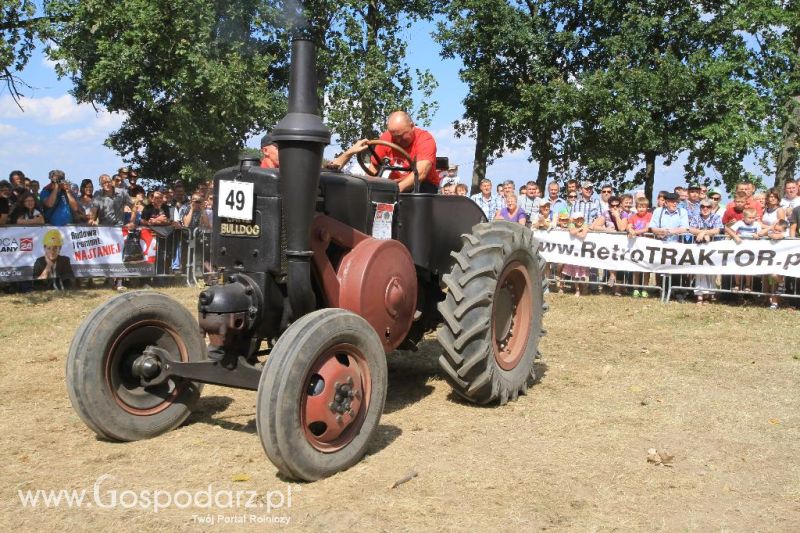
{"points": [[322, 274]]}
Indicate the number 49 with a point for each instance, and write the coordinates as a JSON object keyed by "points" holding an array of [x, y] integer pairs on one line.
{"points": [[235, 201]]}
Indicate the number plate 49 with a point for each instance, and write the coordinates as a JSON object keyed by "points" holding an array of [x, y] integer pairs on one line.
{"points": [[235, 200]]}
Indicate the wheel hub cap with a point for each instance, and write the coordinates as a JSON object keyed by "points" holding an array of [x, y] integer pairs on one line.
{"points": [[335, 398]]}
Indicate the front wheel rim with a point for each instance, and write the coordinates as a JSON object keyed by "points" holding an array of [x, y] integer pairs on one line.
{"points": [[124, 386], [335, 397]]}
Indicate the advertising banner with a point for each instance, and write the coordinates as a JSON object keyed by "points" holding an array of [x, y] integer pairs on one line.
{"points": [[613, 251], [47, 252]]}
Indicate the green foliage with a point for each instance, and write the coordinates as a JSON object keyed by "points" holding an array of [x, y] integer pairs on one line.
{"points": [[673, 79], [362, 50], [775, 29], [599, 88], [194, 78], [520, 60], [19, 30]]}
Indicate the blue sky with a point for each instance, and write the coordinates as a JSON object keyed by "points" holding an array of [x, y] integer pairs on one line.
{"points": [[53, 131]]}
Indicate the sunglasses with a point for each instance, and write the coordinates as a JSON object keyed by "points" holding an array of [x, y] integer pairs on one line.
{"points": [[572, 196], [606, 192], [705, 207], [613, 205], [716, 198]]}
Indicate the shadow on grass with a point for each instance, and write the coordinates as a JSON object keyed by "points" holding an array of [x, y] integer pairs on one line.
{"points": [[409, 373], [207, 409]]}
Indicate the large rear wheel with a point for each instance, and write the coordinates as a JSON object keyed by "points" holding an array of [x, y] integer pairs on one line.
{"points": [[104, 386], [492, 314], [321, 394]]}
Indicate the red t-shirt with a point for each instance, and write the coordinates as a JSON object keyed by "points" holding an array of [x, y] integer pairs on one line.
{"points": [[640, 222], [730, 214], [423, 148]]}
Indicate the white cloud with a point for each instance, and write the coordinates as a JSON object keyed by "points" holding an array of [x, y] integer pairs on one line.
{"points": [[7, 130], [48, 110]]}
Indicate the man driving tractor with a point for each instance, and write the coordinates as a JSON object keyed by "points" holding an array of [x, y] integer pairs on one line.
{"points": [[418, 143]]}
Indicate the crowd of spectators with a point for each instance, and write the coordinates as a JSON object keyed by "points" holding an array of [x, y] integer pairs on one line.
{"points": [[687, 213], [120, 201]]}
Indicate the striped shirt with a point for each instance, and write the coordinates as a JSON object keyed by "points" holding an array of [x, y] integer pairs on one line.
{"points": [[489, 207], [529, 205], [590, 209], [712, 221]]}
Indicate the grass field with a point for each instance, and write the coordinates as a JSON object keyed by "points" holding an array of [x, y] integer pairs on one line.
{"points": [[714, 387]]}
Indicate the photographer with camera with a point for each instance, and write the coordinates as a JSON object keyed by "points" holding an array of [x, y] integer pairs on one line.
{"points": [[57, 200]]}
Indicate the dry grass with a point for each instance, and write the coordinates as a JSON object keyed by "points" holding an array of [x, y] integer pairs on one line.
{"points": [[715, 386]]}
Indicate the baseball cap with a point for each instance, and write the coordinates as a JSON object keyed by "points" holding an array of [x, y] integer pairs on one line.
{"points": [[587, 184], [563, 214], [712, 192], [266, 140], [671, 196]]}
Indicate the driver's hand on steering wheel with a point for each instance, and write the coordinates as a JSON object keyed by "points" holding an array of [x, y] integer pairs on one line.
{"points": [[342, 160], [358, 147]]}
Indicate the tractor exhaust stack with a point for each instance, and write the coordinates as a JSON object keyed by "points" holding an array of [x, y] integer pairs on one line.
{"points": [[301, 137]]}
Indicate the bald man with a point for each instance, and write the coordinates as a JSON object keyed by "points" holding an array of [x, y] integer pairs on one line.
{"points": [[419, 144]]}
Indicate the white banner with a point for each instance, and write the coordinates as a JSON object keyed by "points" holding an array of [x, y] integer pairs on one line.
{"points": [[613, 251], [41, 252]]}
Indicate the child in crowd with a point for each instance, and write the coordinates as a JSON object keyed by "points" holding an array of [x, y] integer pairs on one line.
{"points": [[578, 228], [561, 222], [637, 225], [541, 220], [461, 189], [25, 212], [747, 228]]}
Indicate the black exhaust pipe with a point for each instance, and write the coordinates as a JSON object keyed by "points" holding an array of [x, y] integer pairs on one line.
{"points": [[301, 138]]}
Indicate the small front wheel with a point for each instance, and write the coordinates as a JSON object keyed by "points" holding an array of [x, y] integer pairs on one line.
{"points": [[102, 380], [321, 394]]}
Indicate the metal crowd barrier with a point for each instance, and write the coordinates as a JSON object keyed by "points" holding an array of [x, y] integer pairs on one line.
{"points": [[682, 284], [667, 285], [599, 278], [198, 261]]}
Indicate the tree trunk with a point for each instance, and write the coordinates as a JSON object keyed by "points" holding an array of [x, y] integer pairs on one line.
{"points": [[649, 175], [544, 167], [786, 161], [479, 166]]}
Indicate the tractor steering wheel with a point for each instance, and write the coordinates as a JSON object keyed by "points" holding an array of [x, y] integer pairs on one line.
{"points": [[385, 163]]}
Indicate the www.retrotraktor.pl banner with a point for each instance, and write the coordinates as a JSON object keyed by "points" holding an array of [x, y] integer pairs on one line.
{"points": [[613, 251]]}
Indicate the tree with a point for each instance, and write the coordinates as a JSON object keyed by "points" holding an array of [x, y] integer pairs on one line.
{"points": [[674, 80], [193, 78], [362, 65], [19, 30], [520, 64], [775, 29], [196, 78]]}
